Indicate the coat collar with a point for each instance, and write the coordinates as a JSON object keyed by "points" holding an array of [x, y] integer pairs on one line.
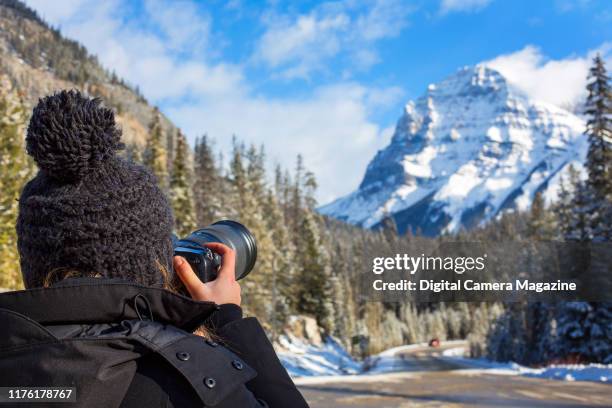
{"points": [[98, 300]]}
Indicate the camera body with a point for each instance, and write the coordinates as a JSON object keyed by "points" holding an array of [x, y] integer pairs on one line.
{"points": [[205, 262]]}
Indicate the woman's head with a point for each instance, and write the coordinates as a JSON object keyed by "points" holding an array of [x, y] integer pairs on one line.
{"points": [[88, 210]]}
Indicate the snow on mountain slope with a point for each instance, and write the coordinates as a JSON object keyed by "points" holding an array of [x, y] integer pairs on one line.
{"points": [[468, 149]]}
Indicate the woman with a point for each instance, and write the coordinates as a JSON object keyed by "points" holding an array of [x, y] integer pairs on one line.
{"points": [[94, 236]]}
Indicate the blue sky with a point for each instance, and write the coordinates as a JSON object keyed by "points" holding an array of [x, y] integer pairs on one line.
{"points": [[328, 79]]}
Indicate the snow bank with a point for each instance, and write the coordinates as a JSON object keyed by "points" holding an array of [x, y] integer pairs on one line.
{"points": [[567, 372], [303, 359], [591, 372], [330, 362], [455, 352]]}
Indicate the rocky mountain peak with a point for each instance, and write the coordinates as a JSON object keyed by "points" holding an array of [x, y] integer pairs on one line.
{"points": [[470, 147]]}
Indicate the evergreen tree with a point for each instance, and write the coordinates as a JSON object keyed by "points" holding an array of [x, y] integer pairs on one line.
{"points": [[256, 172], [584, 327], [507, 341], [284, 268], [155, 157], [579, 227], [247, 180], [540, 332], [15, 170], [279, 185], [296, 200], [541, 224], [414, 329], [341, 296], [171, 147], [238, 177], [208, 186], [599, 157], [574, 322], [181, 189], [313, 279], [563, 208], [434, 325], [282, 190], [484, 330], [310, 187], [389, 229], [454, 323], [600, 344]]}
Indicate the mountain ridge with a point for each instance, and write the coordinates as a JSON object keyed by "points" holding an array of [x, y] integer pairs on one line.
{"points": [[470, 148], [39, 61]]}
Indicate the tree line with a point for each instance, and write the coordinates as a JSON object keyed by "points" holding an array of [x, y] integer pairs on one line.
{"points": [[538, 332], [310, 264]]}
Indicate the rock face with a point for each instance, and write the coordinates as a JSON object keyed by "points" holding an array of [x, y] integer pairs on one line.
{"points": [[305, 328], [469, 148]]}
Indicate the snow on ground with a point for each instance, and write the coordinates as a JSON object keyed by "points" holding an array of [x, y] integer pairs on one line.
{"points": [[330, 362], [454, 352], [387, 361], [303, 359], [567, 372]]}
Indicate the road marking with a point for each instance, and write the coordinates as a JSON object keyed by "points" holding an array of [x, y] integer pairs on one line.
{"points": [[531, 394], [570, 396]]}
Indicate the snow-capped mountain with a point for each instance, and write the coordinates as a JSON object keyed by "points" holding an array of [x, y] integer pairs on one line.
{"points": [[469, 148]]}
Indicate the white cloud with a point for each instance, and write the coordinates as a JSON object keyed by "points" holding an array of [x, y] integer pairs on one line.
{"points": [[308, 41], [331, 127], [565, 6], [561, 82], [449, 6], [385, 19], [183, 26], [298, 45], [58, 11], [165, 61]]}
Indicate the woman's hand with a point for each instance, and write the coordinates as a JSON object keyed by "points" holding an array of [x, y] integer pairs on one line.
{"points": [[222, 290]]}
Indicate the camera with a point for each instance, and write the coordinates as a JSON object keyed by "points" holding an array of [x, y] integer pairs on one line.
{"points": [[205, 262]]}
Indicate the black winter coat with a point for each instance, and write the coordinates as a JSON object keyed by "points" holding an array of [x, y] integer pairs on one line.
{"points": [[126, 345]]}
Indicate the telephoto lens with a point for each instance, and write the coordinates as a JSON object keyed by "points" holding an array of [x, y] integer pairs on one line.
{"points": [[205, 262]]}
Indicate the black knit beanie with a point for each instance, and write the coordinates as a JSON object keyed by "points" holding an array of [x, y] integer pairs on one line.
{"points": [[88, 210]]}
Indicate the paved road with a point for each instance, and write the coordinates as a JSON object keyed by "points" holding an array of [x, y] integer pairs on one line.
{"points": [[424, 380]]}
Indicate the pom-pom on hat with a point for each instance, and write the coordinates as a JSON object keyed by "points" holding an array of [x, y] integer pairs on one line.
{"points": [[88, 210], [69, 135]]}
